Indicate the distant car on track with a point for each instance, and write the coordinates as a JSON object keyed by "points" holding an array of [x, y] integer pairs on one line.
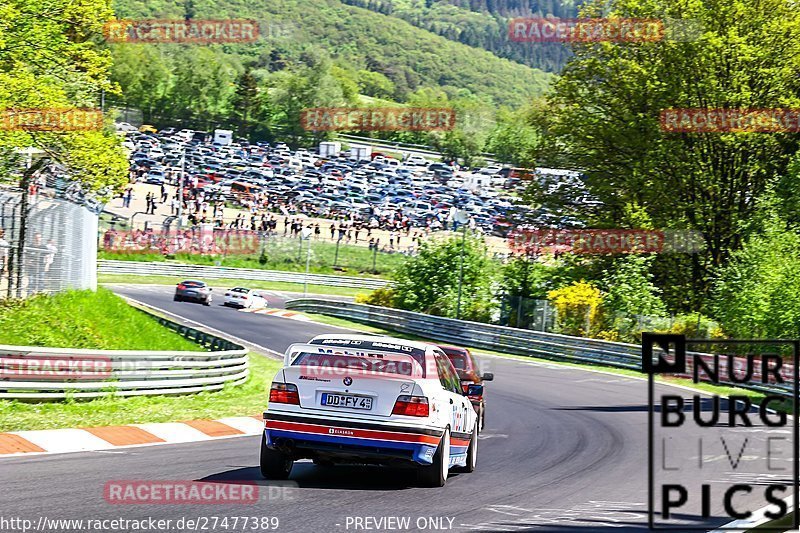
{"points": [[244, 298], [469, 373], [369, 399], [193, 290]]}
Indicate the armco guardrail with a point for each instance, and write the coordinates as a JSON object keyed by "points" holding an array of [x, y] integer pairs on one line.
{"points": [[33, 373], [493, 337], [159, 268]]}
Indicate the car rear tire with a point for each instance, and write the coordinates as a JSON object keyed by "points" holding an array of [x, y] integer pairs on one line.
{"points": [[435, 474], [207, 302], [177, 299], [274, 464], [472, 452]]}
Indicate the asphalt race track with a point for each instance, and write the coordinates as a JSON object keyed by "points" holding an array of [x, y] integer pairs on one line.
{"points": [[563, 450]]}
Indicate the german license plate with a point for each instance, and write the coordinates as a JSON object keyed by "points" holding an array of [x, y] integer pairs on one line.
{"points": [[348, 401]]}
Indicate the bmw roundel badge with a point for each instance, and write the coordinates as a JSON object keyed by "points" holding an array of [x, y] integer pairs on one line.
{"points": [[348, 381]]}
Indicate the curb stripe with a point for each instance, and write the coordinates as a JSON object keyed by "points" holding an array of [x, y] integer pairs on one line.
{"points": [[123, 435], [212, 428], [391, 436], [10, 443]]}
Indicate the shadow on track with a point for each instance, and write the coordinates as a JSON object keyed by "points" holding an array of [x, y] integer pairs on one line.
{"points": [[310, 476]]}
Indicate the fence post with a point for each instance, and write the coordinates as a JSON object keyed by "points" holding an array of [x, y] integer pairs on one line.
{"points": [[588, 319]]}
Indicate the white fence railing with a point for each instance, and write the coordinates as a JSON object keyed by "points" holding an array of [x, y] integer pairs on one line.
{"points": [[34, 373], [497, 338], [183, 270]]}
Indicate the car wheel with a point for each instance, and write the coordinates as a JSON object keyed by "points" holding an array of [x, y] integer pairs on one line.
{"points": [[472, 452], [177, 299], [435, 474], [207, 302], [274, 464]]}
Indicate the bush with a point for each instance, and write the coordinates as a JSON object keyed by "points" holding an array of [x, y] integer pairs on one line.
{"points": [[428, 282], [630, 293], [383, 297], [755, 294], [696, 326], [578, 307]]}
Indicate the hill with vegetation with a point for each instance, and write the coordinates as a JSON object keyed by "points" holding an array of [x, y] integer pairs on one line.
{"points": [[482, 24], [363, 43]]}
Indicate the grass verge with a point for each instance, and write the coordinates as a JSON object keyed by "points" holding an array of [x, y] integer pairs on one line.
{"points": [[84, 319], [247, 399], [102, 320], [267, 285], [755, 397], [289, 255]]}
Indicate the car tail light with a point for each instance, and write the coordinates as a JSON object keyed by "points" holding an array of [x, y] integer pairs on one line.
{"points": [[411, 406], [181, 286], [227, 294], [284, 393]]}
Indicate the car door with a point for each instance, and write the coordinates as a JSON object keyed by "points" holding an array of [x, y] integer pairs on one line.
{"points": [[460, 411]]}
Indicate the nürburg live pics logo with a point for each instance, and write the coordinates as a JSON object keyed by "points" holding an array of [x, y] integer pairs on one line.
{"points": [[719, 459]]}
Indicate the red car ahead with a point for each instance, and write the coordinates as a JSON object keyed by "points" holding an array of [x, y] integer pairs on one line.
{"points": [[468, 371]]}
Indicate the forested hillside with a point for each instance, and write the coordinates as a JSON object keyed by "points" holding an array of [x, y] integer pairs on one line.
{"points": [[482, 24], [356, 39]]}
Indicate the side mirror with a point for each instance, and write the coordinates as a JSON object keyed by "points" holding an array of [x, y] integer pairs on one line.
{"points": [[487, 376], [474, 390]]}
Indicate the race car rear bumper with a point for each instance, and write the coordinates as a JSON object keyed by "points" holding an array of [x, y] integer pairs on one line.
{"points": [[351, 439]]}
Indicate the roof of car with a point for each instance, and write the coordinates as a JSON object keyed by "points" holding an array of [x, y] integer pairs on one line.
{"points": [[376, 341], [446, 347]]}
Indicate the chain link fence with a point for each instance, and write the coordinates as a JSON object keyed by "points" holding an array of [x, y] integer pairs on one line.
{"points": [[47, 241]]}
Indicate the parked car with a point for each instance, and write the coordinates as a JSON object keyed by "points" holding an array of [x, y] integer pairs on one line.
{"points": [[193, 291]]}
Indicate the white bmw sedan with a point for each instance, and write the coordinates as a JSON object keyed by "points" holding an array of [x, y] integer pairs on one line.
{"points": [[369, 399]]}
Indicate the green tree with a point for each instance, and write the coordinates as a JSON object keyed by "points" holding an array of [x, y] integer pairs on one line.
{"points": [[203, 85], [374, 84], [630, 292], [755, 294], [429, 281], [517, 138], [246, 105], [48, 60], [296, 90], [607, 105], [145, 73]]}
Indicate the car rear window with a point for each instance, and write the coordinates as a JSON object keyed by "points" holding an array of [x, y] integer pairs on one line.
{"points": [[194, 284], [459, 361], [239, 289], [405, 366]]}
